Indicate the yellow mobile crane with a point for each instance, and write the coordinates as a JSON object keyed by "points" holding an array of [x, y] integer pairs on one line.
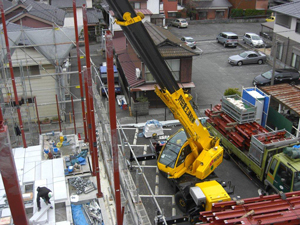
{"points": [[191, 154]]}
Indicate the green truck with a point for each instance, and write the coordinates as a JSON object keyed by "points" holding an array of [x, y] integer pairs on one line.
{"points": [[273, 156]]}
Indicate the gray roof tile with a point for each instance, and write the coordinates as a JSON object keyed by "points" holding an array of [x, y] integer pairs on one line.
{"points": [[44, 11], [291, 9]]}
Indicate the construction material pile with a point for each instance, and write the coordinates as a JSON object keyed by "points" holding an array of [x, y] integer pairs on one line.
{"points": [[273, 209]]}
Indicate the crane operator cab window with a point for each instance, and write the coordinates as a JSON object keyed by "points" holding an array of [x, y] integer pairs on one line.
{"points": [[172, 148], [296, 186]]}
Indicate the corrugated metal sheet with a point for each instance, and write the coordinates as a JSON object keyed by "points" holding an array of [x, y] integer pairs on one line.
{"points": [[285, 94]]}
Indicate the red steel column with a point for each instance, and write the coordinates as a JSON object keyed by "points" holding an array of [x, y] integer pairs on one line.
{"points": [[58, 114], [113, 123], [12, 74], [79, 71], [37, 115], [73, 115], [89, 126], [10, 177], [91, 102]]}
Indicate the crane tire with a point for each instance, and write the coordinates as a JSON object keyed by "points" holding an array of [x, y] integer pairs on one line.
{"points": [[180, 202]]}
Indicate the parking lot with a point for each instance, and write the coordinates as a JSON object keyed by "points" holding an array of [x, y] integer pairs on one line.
{"points": [[212, 74]]}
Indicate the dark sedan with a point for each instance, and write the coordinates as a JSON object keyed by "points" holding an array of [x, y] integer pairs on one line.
{"points": [[280, 76]]}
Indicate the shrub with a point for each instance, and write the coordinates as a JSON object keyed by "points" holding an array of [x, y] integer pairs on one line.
{"points": [[232, 91]]}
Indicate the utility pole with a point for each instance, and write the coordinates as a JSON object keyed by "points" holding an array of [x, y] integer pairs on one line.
{"points": [[274, 50]]}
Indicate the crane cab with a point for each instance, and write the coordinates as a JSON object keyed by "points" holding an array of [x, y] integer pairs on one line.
{"points": [[174, 154]]}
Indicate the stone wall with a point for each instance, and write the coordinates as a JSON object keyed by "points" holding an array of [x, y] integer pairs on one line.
{"points": [[139, 108]]}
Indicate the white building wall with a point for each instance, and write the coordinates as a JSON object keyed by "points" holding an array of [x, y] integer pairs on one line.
{"points": [[69, 22], [153, 6], [286, 32]]}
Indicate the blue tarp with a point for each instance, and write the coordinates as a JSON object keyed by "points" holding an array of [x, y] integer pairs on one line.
{"points": [[78, 215]]}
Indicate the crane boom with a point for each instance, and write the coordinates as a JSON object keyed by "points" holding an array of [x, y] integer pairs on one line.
{"points": [[197, 153]]}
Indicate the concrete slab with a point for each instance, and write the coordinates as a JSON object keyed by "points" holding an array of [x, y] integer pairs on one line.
{"points": [[59, 190], [40, 217], [19, 153], [58, 167]]}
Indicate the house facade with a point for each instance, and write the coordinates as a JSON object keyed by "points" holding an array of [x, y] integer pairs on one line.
{"points": [[38, 65], [287, 34], [136, 80]]}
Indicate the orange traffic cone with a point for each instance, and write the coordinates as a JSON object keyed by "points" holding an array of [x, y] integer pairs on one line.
{"points": [[79, 137]]}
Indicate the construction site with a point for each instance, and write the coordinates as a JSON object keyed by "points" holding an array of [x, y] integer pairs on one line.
{"points": [[58, 131]]}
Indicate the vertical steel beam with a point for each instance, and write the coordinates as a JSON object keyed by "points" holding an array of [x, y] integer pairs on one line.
{"points": [[91, 102], [89, 126], [12, 74], [37, 115], [73, 115], [58, 114], [10, 177], [79, 71], [113, 123]]}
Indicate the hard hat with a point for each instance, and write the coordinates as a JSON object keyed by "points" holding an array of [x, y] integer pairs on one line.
{"points": [[50, 194]]}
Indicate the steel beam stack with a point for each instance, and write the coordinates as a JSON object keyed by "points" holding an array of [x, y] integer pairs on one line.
{"points": [[279, 209], [239, 134]]}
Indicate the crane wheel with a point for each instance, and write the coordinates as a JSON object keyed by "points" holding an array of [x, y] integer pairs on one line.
{"points": [[181, 202]]}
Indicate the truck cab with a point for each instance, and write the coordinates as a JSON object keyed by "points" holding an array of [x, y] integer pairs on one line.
{"points": [[103, 77], [283, 173]]}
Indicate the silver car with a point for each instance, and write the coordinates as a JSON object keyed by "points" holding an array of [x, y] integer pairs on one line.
{"points": [[253, 40], [190, 42], [247, 57], [180, 23]]}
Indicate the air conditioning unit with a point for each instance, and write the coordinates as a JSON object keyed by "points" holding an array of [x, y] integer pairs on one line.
{"points": [[138, 73]]}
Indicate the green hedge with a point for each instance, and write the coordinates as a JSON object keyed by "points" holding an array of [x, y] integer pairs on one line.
{"points": [[248, 13]]}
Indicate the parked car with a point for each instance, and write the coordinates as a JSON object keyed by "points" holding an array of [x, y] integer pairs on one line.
{"points": [[190, 42], [180, 23], [247, 57], [253, 40], [270, 19], [281, 76], [228, 39]]}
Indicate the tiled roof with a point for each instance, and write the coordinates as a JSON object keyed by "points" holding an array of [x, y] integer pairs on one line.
{"points": [[44, 11], [94, 16], [168, 44], [67, 3], [129, 70], [211, 4], [291, 9]]}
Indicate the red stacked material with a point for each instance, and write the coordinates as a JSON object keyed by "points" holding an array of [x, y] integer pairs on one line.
{"points": [[273, 209], [238, 134]]}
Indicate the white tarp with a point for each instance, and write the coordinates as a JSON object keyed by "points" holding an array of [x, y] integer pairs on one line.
{"points": [[13, 39]]}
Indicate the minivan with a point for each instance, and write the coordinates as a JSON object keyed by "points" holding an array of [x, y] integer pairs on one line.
{"points": [[228, 39]]}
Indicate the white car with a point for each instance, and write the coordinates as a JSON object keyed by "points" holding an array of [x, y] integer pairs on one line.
{"points": [[253, 40]]}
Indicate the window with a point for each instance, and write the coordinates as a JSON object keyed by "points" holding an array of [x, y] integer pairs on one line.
{"points": [[273, 166], [279, 50], [297, 29], [295, 61], [171, 14], [136, 5], [219, 14], [283, 20], [202, 15], [174, 66], [27, 71]]}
